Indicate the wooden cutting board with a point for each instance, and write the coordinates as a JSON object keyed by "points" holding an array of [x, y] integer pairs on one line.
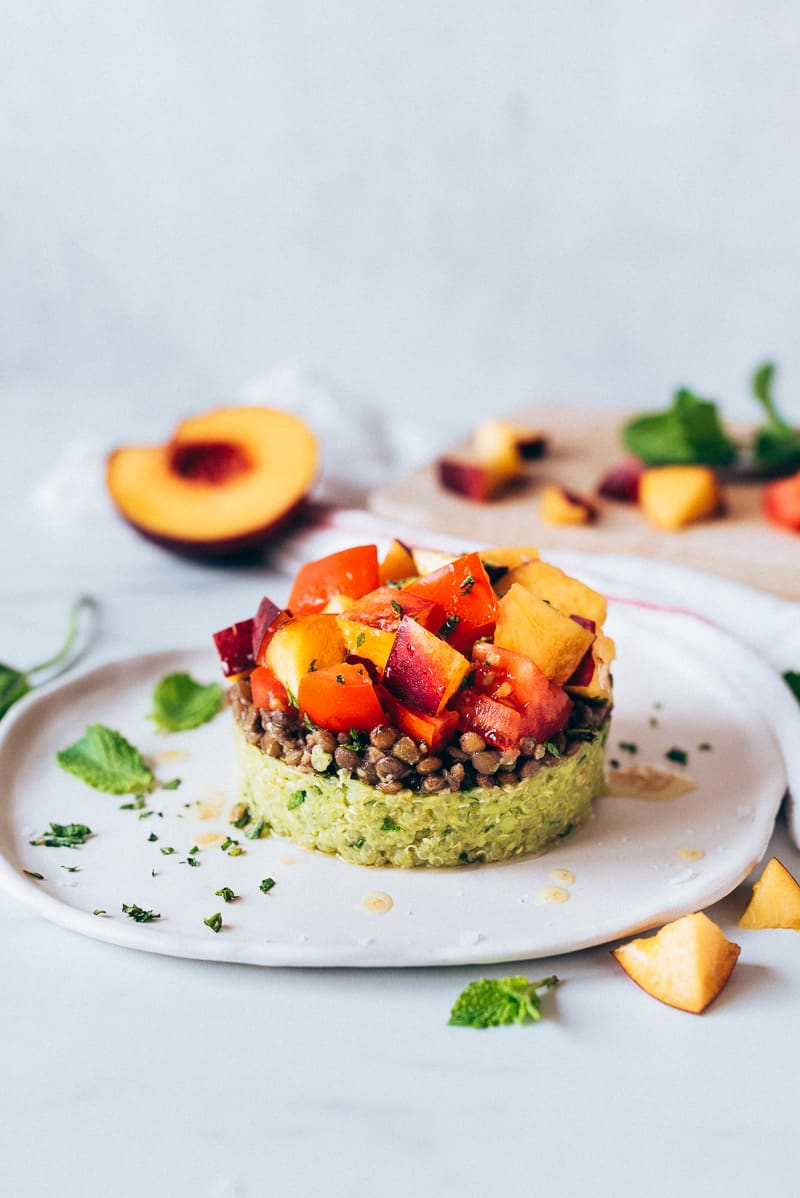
{"points": [[583, 443]]}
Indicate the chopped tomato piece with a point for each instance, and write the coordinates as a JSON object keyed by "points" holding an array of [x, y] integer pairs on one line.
{"points": [[385, 607], [422, 670], [498, 723], [436, 730], [515, 680], [267, 690], [781, 502], [351, 572], [340, 697], [462, 588]]}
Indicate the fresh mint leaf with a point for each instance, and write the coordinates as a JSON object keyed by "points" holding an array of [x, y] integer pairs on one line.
{"points": [[104, 759], [689, 430], [181, 703], [64, 836], [492, 1002], [776, 447]]}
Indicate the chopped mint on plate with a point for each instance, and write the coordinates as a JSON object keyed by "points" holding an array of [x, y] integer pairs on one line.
{"points": [[181, 703]]}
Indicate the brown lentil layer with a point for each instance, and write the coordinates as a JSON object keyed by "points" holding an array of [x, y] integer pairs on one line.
{"points": [[391, 761]]}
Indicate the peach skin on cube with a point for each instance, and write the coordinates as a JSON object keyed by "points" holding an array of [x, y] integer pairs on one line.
{"points": [[301, 644], [528, 625], [422, 671], [775, 902], [561, 590], [362, 640], [397, 564], [685, 965]]}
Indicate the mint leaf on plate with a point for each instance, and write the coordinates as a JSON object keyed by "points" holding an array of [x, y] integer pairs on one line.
{"points": [[104, 759], [492, 1002], [180, 703], [64, 836]]}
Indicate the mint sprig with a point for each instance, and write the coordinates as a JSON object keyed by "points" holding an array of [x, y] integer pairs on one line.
{"points": [[181, 703], [15, 684], [776, 447], [689, 430], [492, 1002], [105, 760]]}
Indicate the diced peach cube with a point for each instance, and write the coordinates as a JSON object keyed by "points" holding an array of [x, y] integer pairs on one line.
{"points": [[423, 671], [546, 581], [528, 625], [776, 900], [304, 643], [673, 496]]}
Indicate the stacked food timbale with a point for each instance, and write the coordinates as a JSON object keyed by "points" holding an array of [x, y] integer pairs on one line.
{"points": [[422, 709]]}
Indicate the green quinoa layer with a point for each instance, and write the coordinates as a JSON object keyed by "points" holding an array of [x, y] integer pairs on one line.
{"points": [[341, 814]]}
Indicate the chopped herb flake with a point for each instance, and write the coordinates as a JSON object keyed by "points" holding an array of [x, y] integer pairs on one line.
{"points": [[236, 851], [191, 861], [266, 885], [628, 746], [138, 913], [679, 756], [33, 874], [136, 805], [152, 838], [551, 749], [226, 894], [173, 784], [357, 844], [362, 636], [64, 836], [792, 680], [389, 825], [167, 849], [258, 829], [227, 842], [340, 679], [214, 922], [99, 911], [449, 626], [296, 799], [467, 585], [397, 607], [71, 869], [705, 747], [614, 763], [356, 740], [240, 816]]}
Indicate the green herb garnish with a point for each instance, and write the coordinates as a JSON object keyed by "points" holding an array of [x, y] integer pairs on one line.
{"points": [[33, 874], [792, 680], [296, 799], [679, 756], [136, 805], [776, 447], [240, 817], [356, 740], [64, 836], [15, 684], [228, 841], [195, 864], [139, 914], [181, 703], [266, 885], [104, 759], [214, 922], [688, 431], [492, 1002], [236, 851], [450, 625], [152, 837], [167, 850], [628, 746], [467, 585], [340, 679], [99, 911], [397, 607], [173, 784], [389, 825], [257, 829], [551, 748], [226, 894], [362, 636], [72, 869]]}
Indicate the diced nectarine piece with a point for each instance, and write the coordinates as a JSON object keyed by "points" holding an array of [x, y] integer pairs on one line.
{"points": [[362, 640], [397, 564], [621, 481], [528, 625], [685, 965], [561, 590], [222, 485], [423, 671], [776, 900], [673, 496], [385, 607], [304, 643], [337, 604], [592, 679], [560, 506], [494, 438], [427, 560], [473, 478], [509, 556]]}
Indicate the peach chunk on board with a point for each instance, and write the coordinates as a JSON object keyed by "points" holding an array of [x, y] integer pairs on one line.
{"points": [[685, 965]]}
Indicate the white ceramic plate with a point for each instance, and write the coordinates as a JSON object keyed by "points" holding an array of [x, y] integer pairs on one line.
{"points": [[678, 683]]}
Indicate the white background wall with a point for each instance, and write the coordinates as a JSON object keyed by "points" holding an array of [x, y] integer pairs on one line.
{"points": [[463, 205]]}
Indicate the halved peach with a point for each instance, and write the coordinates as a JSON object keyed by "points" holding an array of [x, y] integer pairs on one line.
{"points": [[222, 485]]}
